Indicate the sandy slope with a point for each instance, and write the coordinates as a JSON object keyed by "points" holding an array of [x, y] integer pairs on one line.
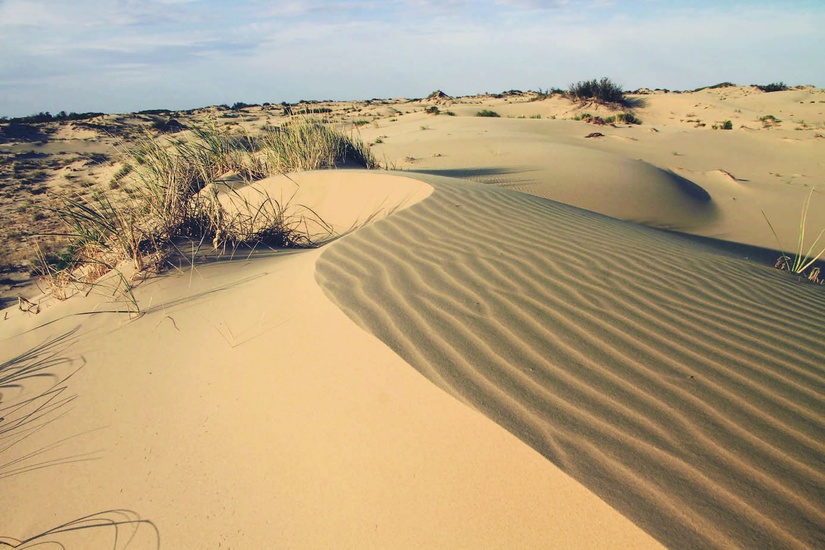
{"points": [[679, 379], [681, 384], [244, 410]]}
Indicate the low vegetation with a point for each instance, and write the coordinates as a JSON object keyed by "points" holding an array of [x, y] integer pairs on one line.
{"points": [[769, 121], [622, 118], [487, 113], [772, 87], [540, 94], [804, 259], [600, 91], [173, 187], [724, 125], [716, 86], [48, 117]]}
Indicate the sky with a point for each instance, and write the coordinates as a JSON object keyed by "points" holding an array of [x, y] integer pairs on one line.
{"points": [[126, 55]]}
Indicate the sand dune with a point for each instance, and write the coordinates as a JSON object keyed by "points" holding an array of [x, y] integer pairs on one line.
{"points": [[243, 409], [682, 385], [500, 346]]}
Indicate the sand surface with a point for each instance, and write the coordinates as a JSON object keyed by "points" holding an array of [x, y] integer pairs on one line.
{"points": [[243, 409], [521, 338]]}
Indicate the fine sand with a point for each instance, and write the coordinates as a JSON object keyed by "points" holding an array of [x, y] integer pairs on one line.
{"points": [[523, 338]]}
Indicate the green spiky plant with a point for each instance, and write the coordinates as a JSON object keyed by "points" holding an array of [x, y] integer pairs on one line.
{"points": [[803, 259]]}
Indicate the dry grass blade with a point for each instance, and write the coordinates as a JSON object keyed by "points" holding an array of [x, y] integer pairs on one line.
{"points": [[173, 185], [803, 259]]}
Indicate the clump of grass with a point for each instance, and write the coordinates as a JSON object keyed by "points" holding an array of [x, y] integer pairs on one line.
{"points": [[726, 125], [803, 259], [432, 110], [487, 113], [769, 121], [623, 118], [600, 91], [172, 193]]}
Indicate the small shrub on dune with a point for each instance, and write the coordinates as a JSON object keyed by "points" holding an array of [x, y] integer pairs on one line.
{"points": [[726, 125], [769, 121], [600, 91], [623, 118], [487, 113], [772, 87]]}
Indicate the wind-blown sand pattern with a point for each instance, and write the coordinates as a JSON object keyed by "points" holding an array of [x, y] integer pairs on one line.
{"points": [[243, 409], [682, 385]]}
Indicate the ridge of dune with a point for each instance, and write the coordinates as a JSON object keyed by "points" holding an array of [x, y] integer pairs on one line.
{"points": [[244, 409], [682, 385]]}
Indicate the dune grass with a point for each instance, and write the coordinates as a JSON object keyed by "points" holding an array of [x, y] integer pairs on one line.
{"points": [[175, 190], [623, 118], [803, 258]]}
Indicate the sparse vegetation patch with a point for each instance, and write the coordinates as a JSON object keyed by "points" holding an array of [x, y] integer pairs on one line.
{"points": [[173, 187], [769, 121]]}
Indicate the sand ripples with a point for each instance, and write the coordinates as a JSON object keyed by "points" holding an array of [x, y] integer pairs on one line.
{"points": [[683, 386]]}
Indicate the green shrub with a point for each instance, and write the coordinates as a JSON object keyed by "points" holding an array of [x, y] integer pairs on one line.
{"points": [[432, 110], [487, 113], [600, 91], [772, 87]]}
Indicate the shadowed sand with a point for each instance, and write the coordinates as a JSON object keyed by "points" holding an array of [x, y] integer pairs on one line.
{"points": [[681, 384]]}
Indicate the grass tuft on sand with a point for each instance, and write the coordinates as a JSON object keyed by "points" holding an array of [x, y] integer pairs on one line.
{"points": [[803, 259], [174, 189]]}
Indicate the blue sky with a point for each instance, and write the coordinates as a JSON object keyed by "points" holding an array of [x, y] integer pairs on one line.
{"points": [[127, 55]]}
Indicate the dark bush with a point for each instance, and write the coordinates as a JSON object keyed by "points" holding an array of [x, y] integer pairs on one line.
{"points": [[773, 87], [601, 91]]}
